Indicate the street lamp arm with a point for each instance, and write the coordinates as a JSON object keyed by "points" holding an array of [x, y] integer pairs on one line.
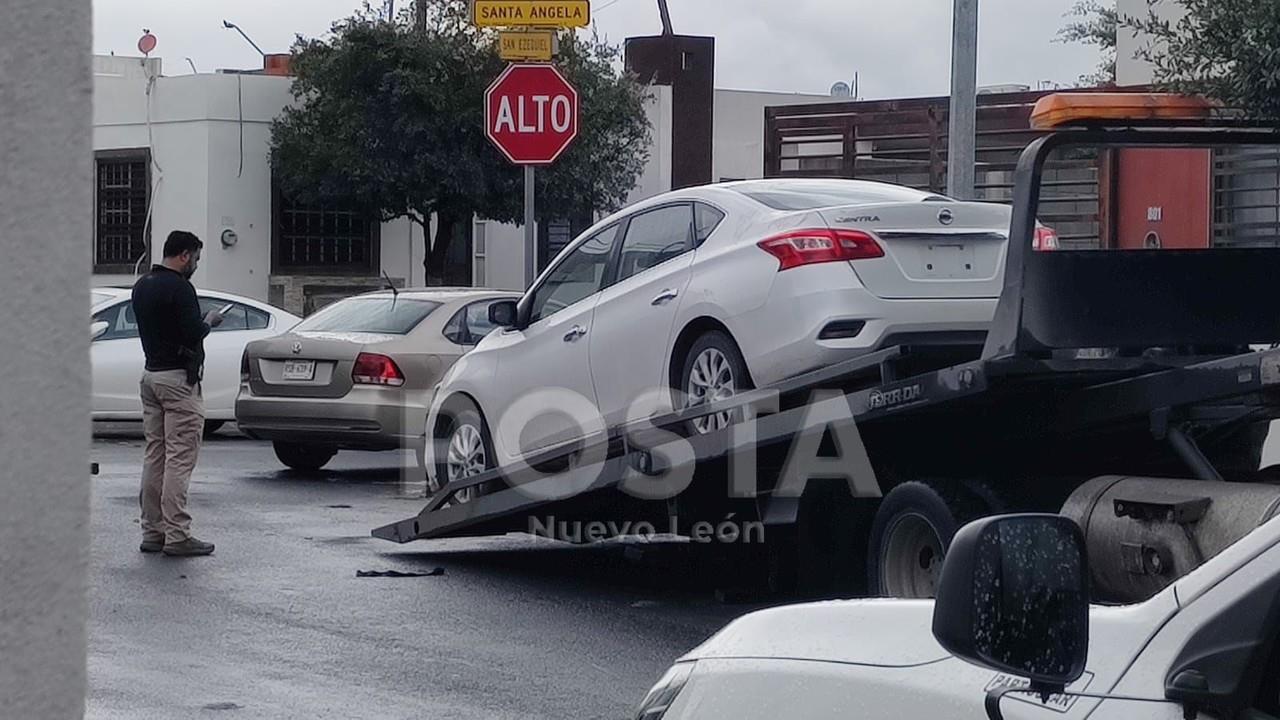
{"points": [[233, 26]]}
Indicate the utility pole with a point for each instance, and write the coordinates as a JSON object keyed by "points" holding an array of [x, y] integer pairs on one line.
{"points": [[962, 137], [665, 14]]}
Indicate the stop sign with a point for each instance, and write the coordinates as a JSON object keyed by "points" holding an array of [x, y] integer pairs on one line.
{"points": [[531, 114]]}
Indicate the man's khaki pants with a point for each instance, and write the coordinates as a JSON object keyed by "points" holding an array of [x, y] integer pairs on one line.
{"points": [[173, 420]]}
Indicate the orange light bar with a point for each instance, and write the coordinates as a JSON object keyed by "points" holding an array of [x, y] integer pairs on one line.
{"points": [[1061, 109]]}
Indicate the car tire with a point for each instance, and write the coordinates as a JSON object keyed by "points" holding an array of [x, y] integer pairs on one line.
{"points": [[213, 426], [464, 444], [713, 368], [304, 456], [913, 529]]}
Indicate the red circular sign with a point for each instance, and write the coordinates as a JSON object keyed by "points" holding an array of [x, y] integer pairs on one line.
{"points": [[531, 114], [147, 43]]}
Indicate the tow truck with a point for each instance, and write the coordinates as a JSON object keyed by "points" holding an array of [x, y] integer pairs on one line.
{"points": [[1129, 389]]}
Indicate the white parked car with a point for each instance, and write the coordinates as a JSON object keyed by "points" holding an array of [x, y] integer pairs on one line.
{"points": [[118, 360], [712, 290], [1211, 641]]}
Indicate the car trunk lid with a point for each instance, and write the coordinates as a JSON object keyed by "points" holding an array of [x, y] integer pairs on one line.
{"points": [[957, 251], [308, 364]]}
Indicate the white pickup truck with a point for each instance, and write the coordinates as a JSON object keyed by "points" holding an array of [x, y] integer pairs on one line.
{"points": [[1013, 611]]}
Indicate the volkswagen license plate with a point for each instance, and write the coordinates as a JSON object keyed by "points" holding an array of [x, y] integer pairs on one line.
{"points": [[299, 369]]}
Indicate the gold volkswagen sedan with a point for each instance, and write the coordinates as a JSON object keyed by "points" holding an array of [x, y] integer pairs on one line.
{"points": [[358, 375]]}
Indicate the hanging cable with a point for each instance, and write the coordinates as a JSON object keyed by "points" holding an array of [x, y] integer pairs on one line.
{"points": [[159, 173], [240, 112]]}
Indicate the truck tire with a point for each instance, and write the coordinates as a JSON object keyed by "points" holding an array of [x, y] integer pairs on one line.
{"points": [[465, 447], [713, 369], [913, 529], [303, 456]]}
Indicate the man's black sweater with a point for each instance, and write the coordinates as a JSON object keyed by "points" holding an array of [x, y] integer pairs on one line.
{"points": [[169, 320]]}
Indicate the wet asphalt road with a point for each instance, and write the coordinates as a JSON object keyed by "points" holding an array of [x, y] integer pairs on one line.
{"points": [[277, 625]]}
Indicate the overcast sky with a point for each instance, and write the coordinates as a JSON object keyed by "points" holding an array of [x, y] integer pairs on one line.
{"points": [[900, 48]]}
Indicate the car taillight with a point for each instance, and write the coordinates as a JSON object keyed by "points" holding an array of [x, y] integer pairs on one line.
{"points": [[1045, 239], [244, 366], [374, 369], [806, 247]]}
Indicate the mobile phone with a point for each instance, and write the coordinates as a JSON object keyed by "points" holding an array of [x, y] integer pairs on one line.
{"points": [[226, 308]]}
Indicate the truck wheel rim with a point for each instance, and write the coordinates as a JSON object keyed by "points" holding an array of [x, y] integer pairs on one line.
{"points": [[911, 562], [710, 380], [466, 458]]}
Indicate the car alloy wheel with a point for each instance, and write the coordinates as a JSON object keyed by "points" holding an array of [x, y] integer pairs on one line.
{"points": [[710, 380], [466, 458]]}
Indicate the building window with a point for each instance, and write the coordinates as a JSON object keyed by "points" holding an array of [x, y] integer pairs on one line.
{"points": [[555, 235], [120, 198], [480, 240], [322, 240]]}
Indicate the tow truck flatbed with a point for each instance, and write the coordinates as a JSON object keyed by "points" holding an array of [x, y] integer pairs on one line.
{"points": [[1098, 363]]}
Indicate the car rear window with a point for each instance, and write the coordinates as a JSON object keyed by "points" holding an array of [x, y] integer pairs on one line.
{"points": [[814, 194], [372, 315]]}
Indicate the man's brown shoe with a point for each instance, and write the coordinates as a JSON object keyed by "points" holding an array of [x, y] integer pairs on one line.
{"points": [[151, 546], [190, 547]]}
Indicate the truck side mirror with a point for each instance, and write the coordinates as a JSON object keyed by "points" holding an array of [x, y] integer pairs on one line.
{"points": [[1014, 597], [503, 313], [97, 329]]}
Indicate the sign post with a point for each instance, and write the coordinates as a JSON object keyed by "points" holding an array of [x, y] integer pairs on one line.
{"points": [[531, 111], [531, 116], [530, 229]]}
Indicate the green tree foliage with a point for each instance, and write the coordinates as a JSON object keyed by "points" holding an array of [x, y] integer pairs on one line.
{"points": [[1094, 23], [389, 115], [1224, 49]]}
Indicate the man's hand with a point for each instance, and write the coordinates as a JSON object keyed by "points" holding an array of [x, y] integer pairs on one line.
{"points": [[213, 319]]}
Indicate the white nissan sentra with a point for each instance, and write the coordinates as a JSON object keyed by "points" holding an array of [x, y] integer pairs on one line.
{"points": [[712, 290]]}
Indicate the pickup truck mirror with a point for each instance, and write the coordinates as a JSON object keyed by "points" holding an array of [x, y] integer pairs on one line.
{"points": [[97, 329], [503, 313], [1014, 597]]}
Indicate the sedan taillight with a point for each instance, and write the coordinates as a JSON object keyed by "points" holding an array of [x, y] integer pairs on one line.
{"points": [[1045, 239], [375, 369], [244, 366], [807, 247]]}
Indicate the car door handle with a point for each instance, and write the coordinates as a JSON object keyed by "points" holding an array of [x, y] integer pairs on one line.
{"points": [[665, 297], [574, 333]]}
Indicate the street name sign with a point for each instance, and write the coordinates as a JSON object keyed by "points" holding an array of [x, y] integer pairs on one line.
{"points": [[516, 45], [531, 13]]}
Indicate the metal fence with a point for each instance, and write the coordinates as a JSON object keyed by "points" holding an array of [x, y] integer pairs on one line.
{"points": [[905, 142]]}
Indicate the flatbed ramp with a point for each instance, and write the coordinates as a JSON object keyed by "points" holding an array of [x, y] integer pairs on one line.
{"points": [[1022, 401]]}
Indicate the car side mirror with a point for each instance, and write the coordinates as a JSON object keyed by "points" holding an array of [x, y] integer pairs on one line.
{"points": [[503, 313], [98, 329], [1014, 597]]}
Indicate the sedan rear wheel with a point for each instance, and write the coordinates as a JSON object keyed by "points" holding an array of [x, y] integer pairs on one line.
{"points": [[713, 371], [301, 456]]}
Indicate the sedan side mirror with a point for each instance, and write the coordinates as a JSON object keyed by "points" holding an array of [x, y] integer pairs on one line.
{"points": [[503, 313], [1014, 597], [98, 329]]}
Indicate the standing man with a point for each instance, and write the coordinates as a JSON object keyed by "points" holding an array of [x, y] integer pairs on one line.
{"points": [[172, 331]]}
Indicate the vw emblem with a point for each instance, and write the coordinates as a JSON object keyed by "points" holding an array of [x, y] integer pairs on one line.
{"points": [[945, 216], [297, 348]]}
